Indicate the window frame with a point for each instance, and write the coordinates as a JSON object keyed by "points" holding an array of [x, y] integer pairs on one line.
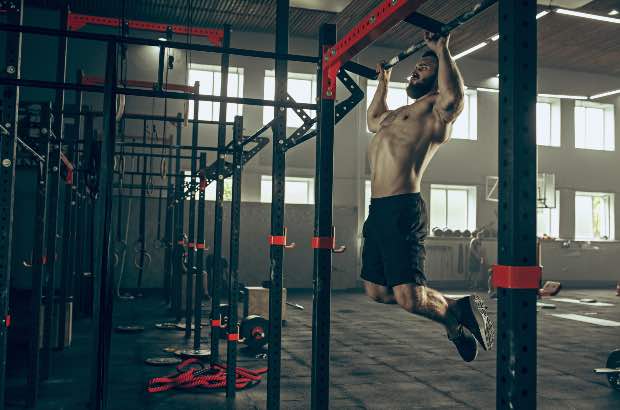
{"points": [[553, 217], [269, 178], [232, 109], [471, 100], [472, 197], [555, 121], [609, 199], [292, 117], [609, 137]]}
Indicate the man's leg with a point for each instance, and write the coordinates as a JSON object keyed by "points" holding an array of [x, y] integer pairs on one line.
{"points": [[378, 293], [427, 302]]}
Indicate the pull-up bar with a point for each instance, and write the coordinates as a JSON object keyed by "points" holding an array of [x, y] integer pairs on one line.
{"points": [[142, 84], [380, 20]]}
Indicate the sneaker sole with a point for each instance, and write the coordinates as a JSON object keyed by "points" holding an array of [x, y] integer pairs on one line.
{"points": [[485, 330]]}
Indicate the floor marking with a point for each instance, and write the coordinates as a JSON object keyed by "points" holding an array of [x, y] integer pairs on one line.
{"points": [[578, 302], [586, 319]]}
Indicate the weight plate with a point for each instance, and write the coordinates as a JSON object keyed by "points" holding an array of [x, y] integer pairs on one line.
{"points": [[254, 331], [170, 349], [198, 353], [162, 361], [613, 362], [129, 328]]}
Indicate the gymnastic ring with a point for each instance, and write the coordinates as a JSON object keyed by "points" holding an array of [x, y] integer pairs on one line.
{"points": [[163, 168], [150, 187], [115, 259], [159, 243], [147, 260]]}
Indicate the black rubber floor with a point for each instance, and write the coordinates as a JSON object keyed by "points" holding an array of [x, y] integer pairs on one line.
{"points": [[382, 358]]}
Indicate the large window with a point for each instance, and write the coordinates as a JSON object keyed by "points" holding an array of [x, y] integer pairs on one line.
{"points": [[210, 78], [466, 125], [210, 190], [548, 122], [301, 87], [296, 190], [594, 216], [594, 126], [453, 207], [548, 219]]}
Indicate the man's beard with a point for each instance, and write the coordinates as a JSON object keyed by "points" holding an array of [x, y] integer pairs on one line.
{"points": [[416, 91]]}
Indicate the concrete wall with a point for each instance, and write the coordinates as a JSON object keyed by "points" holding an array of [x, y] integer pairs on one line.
{"points": [[459, 162]]}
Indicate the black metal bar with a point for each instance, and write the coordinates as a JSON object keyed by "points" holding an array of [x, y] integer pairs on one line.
{"points": [[160, 67], [177, 265], [142, 215], [63, 256], [28, 148], [200, 250], [147, 117], [145, 145], [102, 237], [516, 336], [233, 266], [323, 228], [37, 263], [12, 50], [424, 22], [153, 93], [157, 43], [191, 230], [169, 228], [149, 155], [278, 169], [361, 70], [445, 29], [219, 204]]}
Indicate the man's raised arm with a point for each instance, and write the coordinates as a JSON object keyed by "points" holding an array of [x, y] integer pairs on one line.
{"points": [[449, 82], [378, 108]]}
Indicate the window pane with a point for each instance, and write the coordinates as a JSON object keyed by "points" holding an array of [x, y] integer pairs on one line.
{"points": [[583, 217], [595, 122], [543, 123], [265, 190], [210, 84], [438, 208], [542, 222], [460, 129], [296, 192], [457, 209], [580, 127]]}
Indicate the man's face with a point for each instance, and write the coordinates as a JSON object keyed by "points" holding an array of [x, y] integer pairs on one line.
{"points": [[423, 78]]}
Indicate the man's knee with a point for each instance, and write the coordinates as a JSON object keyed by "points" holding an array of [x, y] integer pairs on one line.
{"points": [[379, 294]]}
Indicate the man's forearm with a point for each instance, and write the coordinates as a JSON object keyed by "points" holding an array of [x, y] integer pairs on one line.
{"points": [[450, 82], [378, 106]]}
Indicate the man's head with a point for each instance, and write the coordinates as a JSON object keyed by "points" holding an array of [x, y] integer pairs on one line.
{"points": [[424, 76]]}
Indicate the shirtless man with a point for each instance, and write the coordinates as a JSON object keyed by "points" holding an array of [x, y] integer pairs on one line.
{"points": [[406, 139]]}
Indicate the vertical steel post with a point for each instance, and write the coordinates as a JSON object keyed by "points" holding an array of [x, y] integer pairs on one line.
{"points": [[177, 264], [38, 263], [200, 250], [12, 47], [516, 342], [168, 229], [142, 215], [219, 203], [102, 238], [233, 274], [191, 230], [323, 228], [277, 210], [53, 186]]}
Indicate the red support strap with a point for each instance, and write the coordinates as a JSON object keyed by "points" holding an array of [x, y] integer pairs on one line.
{"points": [[191, 245], [516, 277], [69, 166], [200, 246], [7, 321], [77, 21], [385, 16], [181, 243], [278, 240], [216, 323], [44, 260]]}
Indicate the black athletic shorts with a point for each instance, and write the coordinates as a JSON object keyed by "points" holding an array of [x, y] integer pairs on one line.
{"points": [[394, 233]]}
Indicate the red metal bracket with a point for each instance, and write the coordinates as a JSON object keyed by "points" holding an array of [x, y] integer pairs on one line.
{"points": [[328, 242], [77, 21], [200, 246], [280, 240], [385, 16], [7, 321], [516, 277], [69, 166]]}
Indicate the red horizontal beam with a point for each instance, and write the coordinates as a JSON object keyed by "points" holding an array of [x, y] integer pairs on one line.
{"points": [[384, 17], [77, 21], [141, 84]]}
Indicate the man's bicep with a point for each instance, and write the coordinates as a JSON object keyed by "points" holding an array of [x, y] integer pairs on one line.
{"points": [[374, 122]]}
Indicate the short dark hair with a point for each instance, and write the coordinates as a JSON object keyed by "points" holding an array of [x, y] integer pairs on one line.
{"points": [[430, 53]]}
